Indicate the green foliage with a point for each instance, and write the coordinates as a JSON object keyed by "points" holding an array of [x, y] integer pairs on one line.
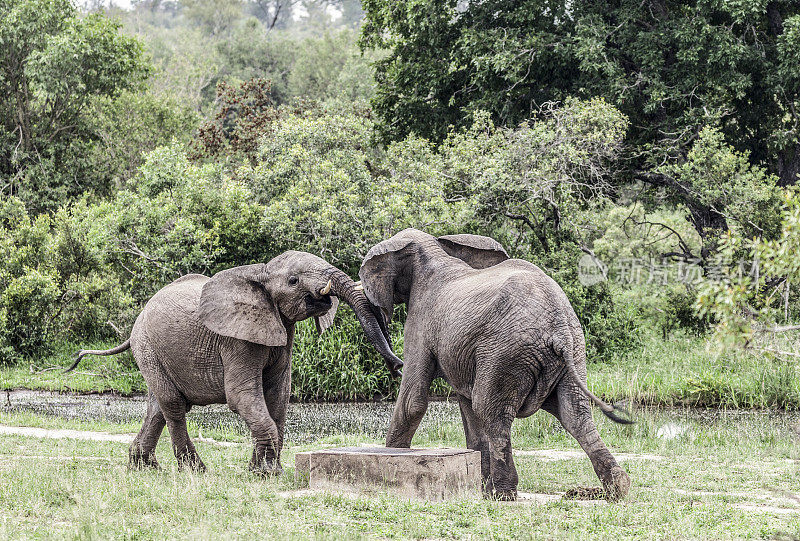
{"points": [[448, 60], [325, 191], [725, 190], [26, 309], [215, 17], [679, 312], [179, 218], [54, 64], [536, 179], [53, 283], [130, 126], [329, 67], [751, 295], [340, 364]]}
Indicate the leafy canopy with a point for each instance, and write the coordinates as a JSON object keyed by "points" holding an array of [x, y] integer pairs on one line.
{"points": [[671, 66]]}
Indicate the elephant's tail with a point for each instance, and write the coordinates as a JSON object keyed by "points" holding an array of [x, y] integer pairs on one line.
{"points": [[113, 351], [610, 411]]}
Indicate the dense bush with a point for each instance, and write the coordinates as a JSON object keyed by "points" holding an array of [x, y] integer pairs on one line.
{"points": [[340, 364], [315, 184], [54, 283]]}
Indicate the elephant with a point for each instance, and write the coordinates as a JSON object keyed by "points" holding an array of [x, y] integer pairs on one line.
{"points": [[502, 333], [228, 339]]}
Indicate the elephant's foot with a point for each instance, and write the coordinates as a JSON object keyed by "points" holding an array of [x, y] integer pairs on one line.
{"points": [[509, 495], [616, 484], [191, 461], [266, 467], [142, 461], [491, 492]]}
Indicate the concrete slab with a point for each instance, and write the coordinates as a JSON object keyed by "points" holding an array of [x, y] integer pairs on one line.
{"points": [[429, 474]]}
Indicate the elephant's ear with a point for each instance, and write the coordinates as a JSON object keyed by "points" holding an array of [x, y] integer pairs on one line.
{"points": [[324, 321], [235, 303], [380, 271], [476, 251]]}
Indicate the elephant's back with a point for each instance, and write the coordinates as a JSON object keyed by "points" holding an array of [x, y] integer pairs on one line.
{"points": [[184, 291], [513, 304], [512, 283], [174, 303]]}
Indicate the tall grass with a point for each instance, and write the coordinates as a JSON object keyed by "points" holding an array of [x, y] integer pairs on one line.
{"points": [[685, 370]]}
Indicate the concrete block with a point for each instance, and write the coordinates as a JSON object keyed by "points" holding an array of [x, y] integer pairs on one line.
{"points": [[301, 467], [430, 474]]}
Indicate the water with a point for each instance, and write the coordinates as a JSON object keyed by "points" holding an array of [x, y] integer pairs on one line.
{"points": [[304, 423]]}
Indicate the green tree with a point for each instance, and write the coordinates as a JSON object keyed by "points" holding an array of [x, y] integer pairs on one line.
{"points": [[327, 191], [722, 190], [215, 17], [53, 64], [671, 66]]}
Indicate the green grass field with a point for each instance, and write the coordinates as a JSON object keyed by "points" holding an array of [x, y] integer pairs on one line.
{"points": [[726, 476]]}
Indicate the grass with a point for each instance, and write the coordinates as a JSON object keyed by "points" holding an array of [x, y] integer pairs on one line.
{"points": [[700, 488]]}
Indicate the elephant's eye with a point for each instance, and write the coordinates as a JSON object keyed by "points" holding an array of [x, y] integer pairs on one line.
{"points": [[293, 280]]}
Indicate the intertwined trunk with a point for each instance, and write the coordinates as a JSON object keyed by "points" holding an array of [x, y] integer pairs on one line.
{"points": [[344, 288]]}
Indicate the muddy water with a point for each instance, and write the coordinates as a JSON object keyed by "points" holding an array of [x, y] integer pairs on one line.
{"points": [[305, 422]]}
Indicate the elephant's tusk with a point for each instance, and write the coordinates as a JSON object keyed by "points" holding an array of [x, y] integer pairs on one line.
{"points": [[358, 287], [327, 289]]}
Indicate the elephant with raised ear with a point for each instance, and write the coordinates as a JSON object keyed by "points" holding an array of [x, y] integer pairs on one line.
{"points": [[501, 332], [228, 339]]}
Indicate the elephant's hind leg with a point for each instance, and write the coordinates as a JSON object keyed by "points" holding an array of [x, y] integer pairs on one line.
{"points": [[476, 438], [182, 445], [173, 407], [573, 410], [142, 451]]}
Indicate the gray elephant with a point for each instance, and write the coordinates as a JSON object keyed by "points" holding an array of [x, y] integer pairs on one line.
{"points": [[228, 339], [501, 332]]}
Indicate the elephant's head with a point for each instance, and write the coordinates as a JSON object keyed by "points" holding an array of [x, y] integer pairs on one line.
{"points": [[388, 269], [255, 302]]}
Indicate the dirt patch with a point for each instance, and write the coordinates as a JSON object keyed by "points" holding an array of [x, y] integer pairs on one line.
{"points": [[56, 457], [543, 499], [765, 509], [87, 435], [62, 434], [761, 502]]}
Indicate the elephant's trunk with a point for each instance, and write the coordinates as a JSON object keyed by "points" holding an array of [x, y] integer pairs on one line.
{"points": [[345, 288]]}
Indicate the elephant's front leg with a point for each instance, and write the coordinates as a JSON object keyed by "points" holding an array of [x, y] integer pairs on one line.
{"points": [[245, 395], [277, 383], [412, 399]]}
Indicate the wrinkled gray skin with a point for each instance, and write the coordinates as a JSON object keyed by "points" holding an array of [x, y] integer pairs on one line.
{"points": [[228, 339], [501, 333]]}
